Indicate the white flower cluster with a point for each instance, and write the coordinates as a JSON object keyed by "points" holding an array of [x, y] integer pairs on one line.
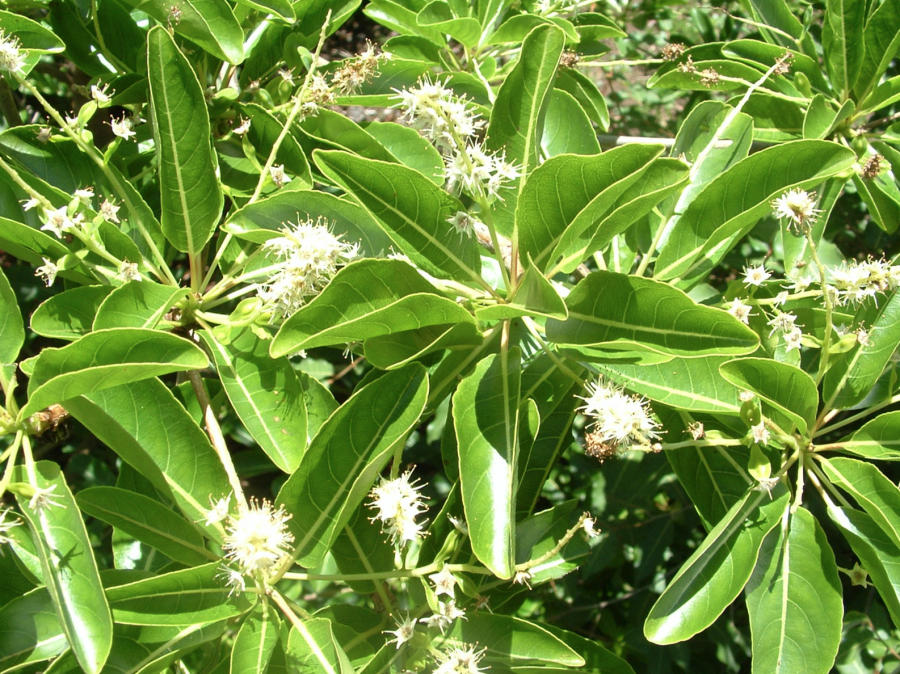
{"points": [[11, 56], [257, 540], [450, 122], [857, 281], [797, 206], [458, 660], [618, 418], [397, 504], [308, 255]]}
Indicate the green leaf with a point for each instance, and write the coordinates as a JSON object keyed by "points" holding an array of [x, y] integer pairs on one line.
{"points": [[208, 23], [692, 384], [31, 245], [412, 210], [363, 548], [585, 92], [389, 352], [150, 430], [104, 359], [598, 660], [281, 8], [517, 117], [30, 630], [486, 418], [819, 118], [191, 198], [568, 195], [842, 41], [540, 533], [12, 327], [31, 35], [877, 495], [877, 553], [137, 305], [516, 28], [786, 388], [312, 649], [397, 17], [510, 641], [879, 438], [881, 39], [68, 564], [148, 521], [266, 394], [733, 202], [535, 296], [633, 313], [143, 648], [567, 128], [853, 374], [265, 130], [197, 595], [438, 15], [346, 456], [716, 573], [794, 600], [366, 299], [255, 642], [410, 148]]}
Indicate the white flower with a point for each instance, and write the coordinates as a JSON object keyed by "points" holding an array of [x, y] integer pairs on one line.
{"points": [[219, 511], [6, 525], [780, 298], [11, 56], [783, 322], [863, 336], [233, 579], [258, 539], [47, 272], [99, 94], [43, 498], [463, 223], [589, 525], [756, 276], [30, 203], [441, 116], [242, 128], [128, 271], [109, 211], [460, 661], [792, 339], [617, 417], [307, 255], [123, 128], [760, 433], [85, 196], [447, 613], [798, 206], [740, 310], [397, 504], [58, 221], [444, 582], [477, 172], [406, 630], [279, 177]]}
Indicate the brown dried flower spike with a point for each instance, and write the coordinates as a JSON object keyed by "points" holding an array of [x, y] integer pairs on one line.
{"points": [[872, 167]]}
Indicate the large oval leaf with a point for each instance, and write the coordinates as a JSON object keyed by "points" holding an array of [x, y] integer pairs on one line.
{"points": [[70, 570], [30, 630], [104, 359], [137, 305], [624, 312], [70, 314], [877, 439], [486, 418], [346, 456], [716, 573], [412, 210], [190, 195], [256, 640], [794, 600], [366, 299]]}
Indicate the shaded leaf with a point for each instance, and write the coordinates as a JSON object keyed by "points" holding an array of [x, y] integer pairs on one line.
{"points": [[137, 305]]}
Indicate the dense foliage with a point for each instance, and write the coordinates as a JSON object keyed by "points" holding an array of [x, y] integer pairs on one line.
{"points": [[413, 359]]}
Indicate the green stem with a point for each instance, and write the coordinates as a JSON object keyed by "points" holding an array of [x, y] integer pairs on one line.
{"points": [[829, 309], [856, 417]]}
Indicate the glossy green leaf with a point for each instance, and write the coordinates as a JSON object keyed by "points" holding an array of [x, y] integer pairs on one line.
{"points": [[208, 23], [632, 313], [363, 548], [398, 17], [535, 296], [510, 641], [395, 350], [69, 567], [794, 600], [264, 131], [517, 117], [188, 597], [146, 520], [255, 642], [439, 16], [265, 392], [146, 649], [716, 573], [31, 35], [877, 495], [312, 649], [842, 41], [540, 533], [189, 189], [567, 195], [30, 630], [150, 430], [12, 327], [598, 660], [516, 28], [410, 148], [137, 305], [32, 245], [486, 418], [413, 211], [877, 439], [567, 128], [346, 456], [819, 118], [585, 91], [686, 383], [786, 388], [853, 374], [104, 359], [264, 219], [733, 202], [777, 14], [366, 299], [881, 39]]}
